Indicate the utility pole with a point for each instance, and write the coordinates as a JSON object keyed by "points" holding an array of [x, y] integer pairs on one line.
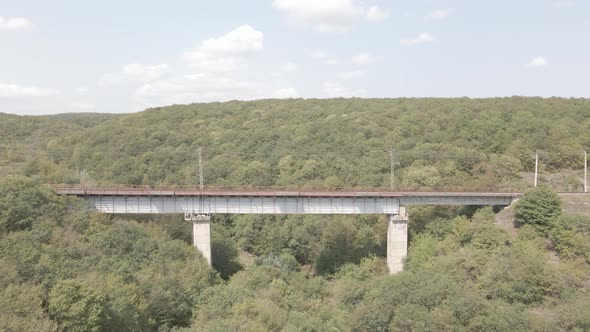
{"points": [[391, 169], [201, 220], [536, 166], [200, 154], [201, 215], [586, 171]]}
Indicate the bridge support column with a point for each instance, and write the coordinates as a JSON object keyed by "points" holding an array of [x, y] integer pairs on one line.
{"points": [[201, 234], [397, 241]]}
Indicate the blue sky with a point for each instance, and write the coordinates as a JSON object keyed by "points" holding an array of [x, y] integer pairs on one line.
{"points": [[124, 56]]}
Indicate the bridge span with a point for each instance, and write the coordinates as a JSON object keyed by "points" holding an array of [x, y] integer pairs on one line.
{"points": [[142, 199], [198, 204]]}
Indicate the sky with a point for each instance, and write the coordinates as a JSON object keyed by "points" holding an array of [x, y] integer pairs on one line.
{"points": [[110, 56]]}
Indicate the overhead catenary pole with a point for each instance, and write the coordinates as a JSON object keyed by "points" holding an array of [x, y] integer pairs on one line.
{"points": [[536, 167], [200, 154], [391, 169], [586, 171]]}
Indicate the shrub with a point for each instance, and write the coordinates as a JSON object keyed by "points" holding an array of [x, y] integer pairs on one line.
{"points": [[76, 306], [22, 201], [539, 208]]}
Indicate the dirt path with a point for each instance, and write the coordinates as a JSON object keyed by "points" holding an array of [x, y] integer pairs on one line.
{"points": [[505, 219]]}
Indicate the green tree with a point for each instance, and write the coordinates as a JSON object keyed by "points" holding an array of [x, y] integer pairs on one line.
{"points": [[77, 306], [507, 167], [538, 208], [421, 177], [21, 309], [337, 246], [224, 252], [500, 316], [255, 173], [520, 274], [571, 236], [22, 201], [284, 261], [342, 242], [414, 317], [126, 307]]}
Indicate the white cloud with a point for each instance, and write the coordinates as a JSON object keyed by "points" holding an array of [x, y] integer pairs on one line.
{"points": [[18, 91], [15, 23], [285, 93], [362, 59], [439, 14], [538, 62], [421, 39], [216, 60], [145, 72], [352, 74], [333, 89], [83, 106], [376, 14], [240, 40], [329, 15], [226, 53]]}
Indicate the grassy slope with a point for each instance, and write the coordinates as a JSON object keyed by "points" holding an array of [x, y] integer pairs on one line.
{"points": [[576, 204]]}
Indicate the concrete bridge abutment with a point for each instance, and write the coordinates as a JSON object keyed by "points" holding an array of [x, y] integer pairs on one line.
{"points": [[397, 241], [201, 234], [397, 238]]}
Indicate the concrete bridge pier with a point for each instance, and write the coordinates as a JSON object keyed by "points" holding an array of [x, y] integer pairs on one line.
{"points": [[397, 240], [201, 233]]}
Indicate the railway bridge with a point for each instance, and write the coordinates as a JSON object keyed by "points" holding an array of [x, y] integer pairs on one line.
{"points": [[198, 205]]}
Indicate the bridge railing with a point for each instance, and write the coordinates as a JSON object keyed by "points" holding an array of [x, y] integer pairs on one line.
{"points": [[62, 188]]}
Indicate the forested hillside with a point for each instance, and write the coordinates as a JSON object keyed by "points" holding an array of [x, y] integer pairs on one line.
{"points": [[335, 142], [62, 268]]}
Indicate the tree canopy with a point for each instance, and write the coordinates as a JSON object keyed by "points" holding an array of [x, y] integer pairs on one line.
{"points": [[457, 142], [66, 269], [539, 208]]}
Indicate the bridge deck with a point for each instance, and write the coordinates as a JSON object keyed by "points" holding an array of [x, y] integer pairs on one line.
{"points": [[270, 192], [142, 199]]}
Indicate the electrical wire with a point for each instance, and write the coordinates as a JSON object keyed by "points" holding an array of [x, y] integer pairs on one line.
{"points": [[399, 154]]}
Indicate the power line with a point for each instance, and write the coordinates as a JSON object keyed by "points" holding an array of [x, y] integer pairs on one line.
{"points": [[474, 155]]}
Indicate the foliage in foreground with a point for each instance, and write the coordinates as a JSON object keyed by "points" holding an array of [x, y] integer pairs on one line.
{"points": [[74, 271], [89, 272], [539, 208]]}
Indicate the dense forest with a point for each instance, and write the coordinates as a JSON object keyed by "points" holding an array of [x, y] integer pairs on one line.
{"points": [[334, 142], [66, 269]]}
